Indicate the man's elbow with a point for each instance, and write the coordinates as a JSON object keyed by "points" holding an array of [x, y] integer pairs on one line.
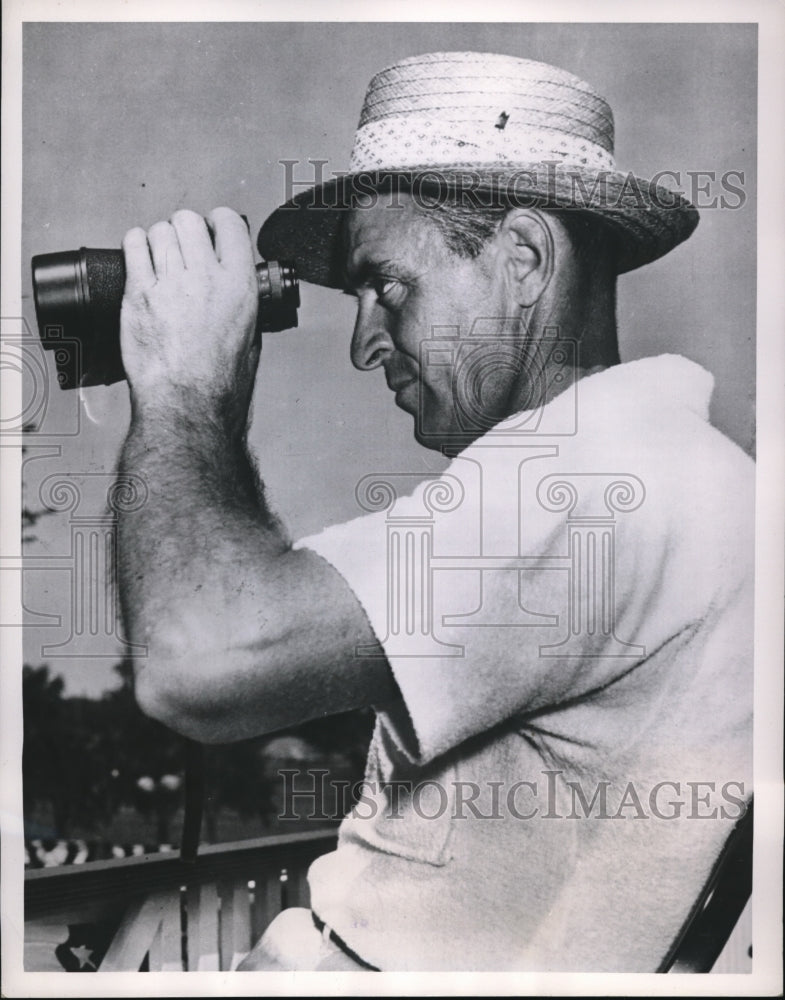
{"points": [[184, 694], [205, 680], [164, 703], [166, 681]]}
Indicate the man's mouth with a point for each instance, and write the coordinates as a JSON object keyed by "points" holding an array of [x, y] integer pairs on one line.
{"points": [[397, 385], [401, 389]]}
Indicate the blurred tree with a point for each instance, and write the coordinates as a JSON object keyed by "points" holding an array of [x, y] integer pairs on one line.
{"points": [[235, 779], [348, 734], [85, 758], [82, 758], [64, 767], [42, 695], [30, 516], [143, 753]]}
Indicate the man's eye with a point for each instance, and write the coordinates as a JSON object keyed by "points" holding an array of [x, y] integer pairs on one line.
{"points": [[386, 289]]}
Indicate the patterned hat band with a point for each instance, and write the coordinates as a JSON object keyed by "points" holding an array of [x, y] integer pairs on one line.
{"points": [[401, 142]]}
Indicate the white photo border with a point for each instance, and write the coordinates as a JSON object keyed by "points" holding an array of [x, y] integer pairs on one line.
{"points": [[767, 912]]}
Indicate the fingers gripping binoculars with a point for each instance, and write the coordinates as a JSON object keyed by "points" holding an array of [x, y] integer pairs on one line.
{"points": [[78, 295]]}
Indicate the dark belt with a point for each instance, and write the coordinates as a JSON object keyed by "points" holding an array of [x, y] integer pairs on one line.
{"points": [[319, 924]]}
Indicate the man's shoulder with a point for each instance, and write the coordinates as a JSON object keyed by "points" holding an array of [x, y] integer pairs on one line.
{"points": [[654, 408]]}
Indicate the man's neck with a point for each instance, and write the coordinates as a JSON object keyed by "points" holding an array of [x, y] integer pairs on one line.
{"points": [[564, 360]]}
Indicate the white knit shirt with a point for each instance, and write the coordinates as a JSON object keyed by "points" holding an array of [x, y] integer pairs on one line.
{"points": [[575, 638]]}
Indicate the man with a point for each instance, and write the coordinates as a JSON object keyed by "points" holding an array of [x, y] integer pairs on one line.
{"points": [[555, 634]]}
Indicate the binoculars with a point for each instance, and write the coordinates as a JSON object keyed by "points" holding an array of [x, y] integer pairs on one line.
{"points": [[78, 294]]}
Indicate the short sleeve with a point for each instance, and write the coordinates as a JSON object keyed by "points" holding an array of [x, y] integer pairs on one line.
{"points": [[475, 600]]}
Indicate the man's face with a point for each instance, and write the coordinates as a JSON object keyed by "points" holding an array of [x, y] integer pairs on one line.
{"points": [[413, 291]]}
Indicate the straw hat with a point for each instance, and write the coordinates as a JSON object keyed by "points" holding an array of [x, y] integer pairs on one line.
{"points": [[484, 129]]}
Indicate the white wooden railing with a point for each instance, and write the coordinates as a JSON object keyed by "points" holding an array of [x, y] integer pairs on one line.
{"points": [[159, 913]]}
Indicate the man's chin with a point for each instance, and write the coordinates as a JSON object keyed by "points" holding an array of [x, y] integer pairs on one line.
{"points": [[445, 439], [433, 428], [428, 440]]}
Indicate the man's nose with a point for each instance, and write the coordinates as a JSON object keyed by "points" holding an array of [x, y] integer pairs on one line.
{"points": [[371, 343]]}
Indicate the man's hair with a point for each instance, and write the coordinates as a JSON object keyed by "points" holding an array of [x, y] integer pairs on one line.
{"points": [[466, 229]]}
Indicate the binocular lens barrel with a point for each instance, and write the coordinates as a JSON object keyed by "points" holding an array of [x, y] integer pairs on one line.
{"points": [[78, 295]]}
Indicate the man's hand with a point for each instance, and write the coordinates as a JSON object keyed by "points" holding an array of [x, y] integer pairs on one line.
{"points": [[189, 317]]}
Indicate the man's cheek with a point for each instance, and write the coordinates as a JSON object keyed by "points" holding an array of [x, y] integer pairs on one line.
{"points": [[438, 405]]}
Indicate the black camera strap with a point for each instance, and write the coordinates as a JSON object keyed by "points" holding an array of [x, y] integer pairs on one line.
{"points": [[194, 801]]}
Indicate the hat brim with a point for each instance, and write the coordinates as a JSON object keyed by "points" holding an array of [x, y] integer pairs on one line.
{"points": [[647, 219]]}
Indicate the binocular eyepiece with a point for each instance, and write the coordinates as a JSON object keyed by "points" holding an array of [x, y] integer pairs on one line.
{"points": [[78, 294]]}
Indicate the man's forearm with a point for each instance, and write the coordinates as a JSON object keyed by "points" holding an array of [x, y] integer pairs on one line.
{"points": [[244, 635], [192, 556]]}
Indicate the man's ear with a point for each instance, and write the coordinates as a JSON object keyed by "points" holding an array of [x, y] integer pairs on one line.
{"points": [[528, 252]]}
